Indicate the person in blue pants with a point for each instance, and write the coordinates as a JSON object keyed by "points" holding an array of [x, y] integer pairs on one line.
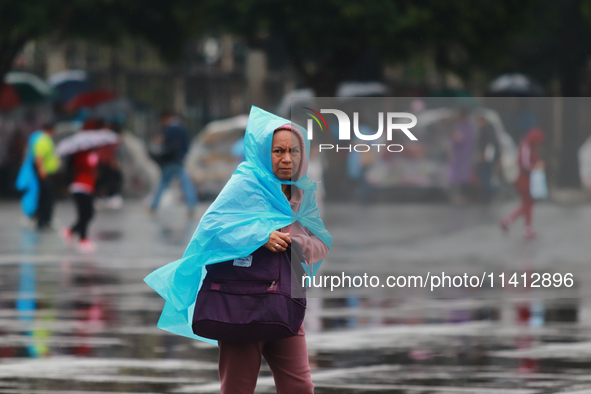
{"points": [[175, 145]]}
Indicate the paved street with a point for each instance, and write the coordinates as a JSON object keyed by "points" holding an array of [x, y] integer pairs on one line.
{"points": [[79, 324]]}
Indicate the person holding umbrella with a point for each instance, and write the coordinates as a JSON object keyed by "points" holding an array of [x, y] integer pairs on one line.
{"points": [[36, 177], [83, 165]]}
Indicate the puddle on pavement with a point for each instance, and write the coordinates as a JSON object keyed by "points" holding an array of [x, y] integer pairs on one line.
{"points": [[74, 325]]}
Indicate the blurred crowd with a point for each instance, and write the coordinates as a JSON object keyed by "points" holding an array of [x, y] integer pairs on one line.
{"points": [[462, 151], [87, 164]]}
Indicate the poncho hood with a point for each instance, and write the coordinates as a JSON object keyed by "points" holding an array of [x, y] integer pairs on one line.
{"points": [[303, 168], [249, 208]]}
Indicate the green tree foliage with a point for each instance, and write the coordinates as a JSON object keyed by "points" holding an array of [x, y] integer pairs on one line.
{"points": [[556, 43], [161, 23], [325, 38]]}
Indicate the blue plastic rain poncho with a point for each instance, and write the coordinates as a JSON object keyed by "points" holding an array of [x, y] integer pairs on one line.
{"points": [[27, 180], [241, 219]]}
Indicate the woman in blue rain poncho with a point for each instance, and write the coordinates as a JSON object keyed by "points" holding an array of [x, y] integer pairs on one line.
{"points": [[268, 202]]}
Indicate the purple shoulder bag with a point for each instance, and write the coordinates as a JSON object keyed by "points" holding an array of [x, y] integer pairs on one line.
{"points": [[249, 299]]}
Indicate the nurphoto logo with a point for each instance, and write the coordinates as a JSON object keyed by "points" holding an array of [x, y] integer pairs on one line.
{"points": [[344, 122]]}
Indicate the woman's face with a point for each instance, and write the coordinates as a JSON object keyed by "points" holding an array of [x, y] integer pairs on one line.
{"points": [[285, 154]]}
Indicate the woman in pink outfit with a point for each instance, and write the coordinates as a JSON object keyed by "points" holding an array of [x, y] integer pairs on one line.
{"points": [[529, 159]]}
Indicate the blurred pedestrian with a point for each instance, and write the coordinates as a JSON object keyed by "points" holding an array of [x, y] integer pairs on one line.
{"points": [[36, 177], [84, 168], [461, 164], [110, 177], [529, 159], [488, 156], [174, 144]]}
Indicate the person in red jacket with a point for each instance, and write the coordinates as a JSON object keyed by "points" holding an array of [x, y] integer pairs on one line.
{"points": [[529, 159], [85, 172]]}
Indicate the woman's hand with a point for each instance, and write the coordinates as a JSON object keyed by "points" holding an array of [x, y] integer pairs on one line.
{"points": [[278, 242]]}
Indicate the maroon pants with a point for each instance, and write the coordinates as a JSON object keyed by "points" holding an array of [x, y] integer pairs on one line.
{"points": [[240, 362], [527, 202]]}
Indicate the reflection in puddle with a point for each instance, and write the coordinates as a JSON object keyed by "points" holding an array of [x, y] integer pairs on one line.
{"points": [[95, 332], [87, 324]]}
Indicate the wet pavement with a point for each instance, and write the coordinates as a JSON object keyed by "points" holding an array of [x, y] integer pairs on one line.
{"points": [[77, 324]]}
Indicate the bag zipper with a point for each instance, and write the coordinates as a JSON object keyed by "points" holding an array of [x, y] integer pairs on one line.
{"points": [[272, 284]]}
